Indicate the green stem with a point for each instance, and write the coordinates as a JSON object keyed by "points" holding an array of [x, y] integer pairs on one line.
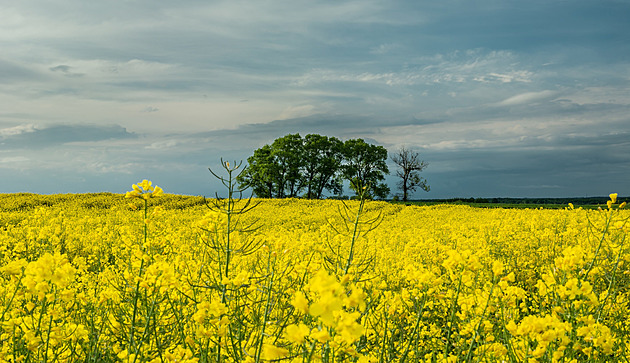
{"points": [[354, 235], [452, 318], [136, 293], [311, 353], [48, 333], [267, 308], [17, 287], [601, 242], [483, 314], [146, 329], [612, 280], [227, 252], [403, 358]]}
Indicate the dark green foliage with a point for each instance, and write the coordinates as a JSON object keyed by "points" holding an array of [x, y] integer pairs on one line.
{"points": [[274, 170], [322, 162], [293, 166], [366, 165], [287, 154], [261, 173]]}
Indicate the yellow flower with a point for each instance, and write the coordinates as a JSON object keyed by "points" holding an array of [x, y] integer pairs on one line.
{"points": [[348, 327], [144, 190], [613, 197], [146, 185], [132, 194], [497, 268], [321, 336], [300, 302], [271, 352], [157, 192], [296, 333], [14, 267], [123, 354]]}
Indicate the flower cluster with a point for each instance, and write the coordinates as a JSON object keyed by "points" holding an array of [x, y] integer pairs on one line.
{"points": [[144, 190]]}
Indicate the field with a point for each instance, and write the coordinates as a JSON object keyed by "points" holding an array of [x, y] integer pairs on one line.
{"points": [[164, 278]]}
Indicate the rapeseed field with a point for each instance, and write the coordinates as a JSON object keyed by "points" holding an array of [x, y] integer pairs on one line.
{"points": [[152, 277]]}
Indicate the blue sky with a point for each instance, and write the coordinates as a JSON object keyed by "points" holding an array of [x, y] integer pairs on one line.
{"points": [[503, 98]]}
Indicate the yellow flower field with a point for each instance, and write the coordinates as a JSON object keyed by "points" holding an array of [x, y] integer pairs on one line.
{"points": [[164, 278]]}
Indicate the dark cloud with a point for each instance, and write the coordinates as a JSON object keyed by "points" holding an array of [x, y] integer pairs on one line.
{"points": [[60, 68], [573, 171], [66, 70], [11, 72], [36, 138], [341, 126]]}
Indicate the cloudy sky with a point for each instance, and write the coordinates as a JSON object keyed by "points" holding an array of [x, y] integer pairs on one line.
{"points": [[503, 98]]}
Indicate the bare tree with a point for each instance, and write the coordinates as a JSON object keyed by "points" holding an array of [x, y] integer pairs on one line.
{"points": [[410, 166]]}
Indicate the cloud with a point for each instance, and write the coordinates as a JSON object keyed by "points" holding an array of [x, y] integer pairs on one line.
{"points": [[66, 71], [528, 97], [453, 68], [13, 159], [163, 144], [514, 76], [297, 111], [385, 48], [28, 136], [13, 72], [17, 130], [340, 125]]}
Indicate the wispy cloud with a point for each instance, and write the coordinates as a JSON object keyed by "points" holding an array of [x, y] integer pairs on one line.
{"points": [[458, 67], [17, 130], [29, 136], [528, 97], [66, 71]]}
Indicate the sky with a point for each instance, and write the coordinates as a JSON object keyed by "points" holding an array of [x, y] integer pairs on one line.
{"points": [[502, 98]]}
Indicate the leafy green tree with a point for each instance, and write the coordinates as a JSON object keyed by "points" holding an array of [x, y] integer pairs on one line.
{"points": [[287, 153], [322, 162], [274, 170], [261, 174], [315, 164], [365, 165], [410, 166]]}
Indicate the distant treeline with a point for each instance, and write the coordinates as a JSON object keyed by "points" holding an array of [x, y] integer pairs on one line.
{"points": [[559, 201]]}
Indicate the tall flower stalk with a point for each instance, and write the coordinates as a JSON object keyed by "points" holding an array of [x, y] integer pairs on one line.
{"points": [[228, 213]]}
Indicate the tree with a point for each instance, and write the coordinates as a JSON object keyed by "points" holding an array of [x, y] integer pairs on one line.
{"points": [[292, 165], [365, 165], [261, 174], [410, 166], [322, 162], [274, 170], [287, 153]]}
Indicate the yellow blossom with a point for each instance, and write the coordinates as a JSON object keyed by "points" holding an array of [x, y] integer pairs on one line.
{"points": [[272, 352], [613, 197], [296, 333], [300, 302]]}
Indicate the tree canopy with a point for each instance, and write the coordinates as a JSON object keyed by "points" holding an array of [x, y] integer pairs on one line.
{"points": [[365, 165], [309, 167]]}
